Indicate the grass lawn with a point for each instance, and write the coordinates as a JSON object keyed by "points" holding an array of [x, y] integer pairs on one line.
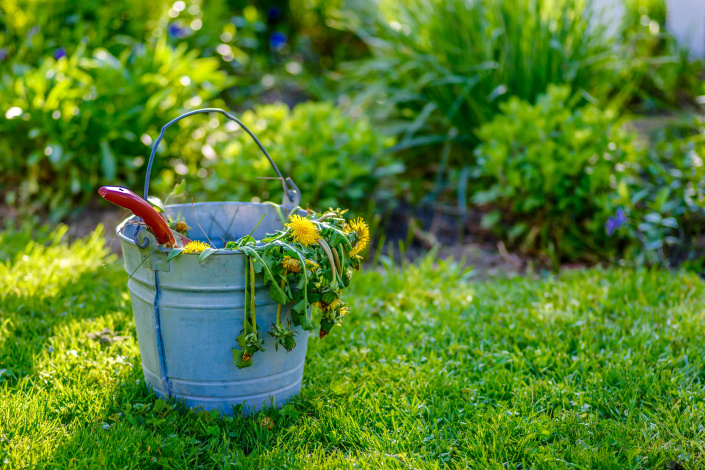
{"points": [[592, 369]]}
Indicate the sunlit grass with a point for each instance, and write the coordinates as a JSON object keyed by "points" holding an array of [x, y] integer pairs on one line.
{"points": [[593, 369]]}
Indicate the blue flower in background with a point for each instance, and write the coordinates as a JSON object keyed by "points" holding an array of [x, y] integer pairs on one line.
{"points": [[277, 40], [176, 31], [59, 53], [3, 53], [616, 222], [274, 13]]}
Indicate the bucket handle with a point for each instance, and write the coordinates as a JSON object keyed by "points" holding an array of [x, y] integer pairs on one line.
{"points": [[292, 194]]}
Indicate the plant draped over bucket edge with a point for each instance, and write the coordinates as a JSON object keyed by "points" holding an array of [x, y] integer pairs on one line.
{"points": [[308, 263]]}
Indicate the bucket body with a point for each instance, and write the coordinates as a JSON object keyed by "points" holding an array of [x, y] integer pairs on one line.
{"points": [[189, 314]]}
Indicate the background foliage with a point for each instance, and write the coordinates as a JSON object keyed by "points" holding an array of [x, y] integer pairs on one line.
{"points": [[399, 106], [440, 69], [551, 169], [334, 158]]}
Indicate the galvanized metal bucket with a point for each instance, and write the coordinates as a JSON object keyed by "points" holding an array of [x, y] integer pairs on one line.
{"points": [[188, 314]]}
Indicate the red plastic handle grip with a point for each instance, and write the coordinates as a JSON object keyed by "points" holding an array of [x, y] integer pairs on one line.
{"points": [[123, 197]]}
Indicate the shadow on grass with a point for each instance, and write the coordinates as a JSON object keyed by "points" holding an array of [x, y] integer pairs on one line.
{"points": [[124, 425]]}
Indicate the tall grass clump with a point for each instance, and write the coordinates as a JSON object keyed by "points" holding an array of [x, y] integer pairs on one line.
{"points": [[440, 68]]}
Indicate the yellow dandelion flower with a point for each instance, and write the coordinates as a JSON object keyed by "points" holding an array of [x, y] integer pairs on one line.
{"points": [[327, 307], [312, 265], [291, 265], [359, 227], [181, 227], [196, 247], [304, 231], [267, 423]]}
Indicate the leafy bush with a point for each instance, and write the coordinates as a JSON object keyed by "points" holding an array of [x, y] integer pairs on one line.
{"points": [[84, 120], [336, 160], [278, 50], [658, 74], [664, 219], [86, 83], [551, 170], [31, 32], [444, 67]]}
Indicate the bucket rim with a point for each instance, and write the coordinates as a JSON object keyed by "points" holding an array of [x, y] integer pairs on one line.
{"points": [[124, 238]]}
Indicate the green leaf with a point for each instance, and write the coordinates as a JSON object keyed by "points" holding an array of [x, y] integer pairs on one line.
{"points": [[277, 207], [337, 238], [338, 233], [277, 294], [179, 188], [669, 222], [237, 358], [301, 315], [247, 239], [672, 240], [516, 231], [289, 343], [654, 244], [275, 290], [653, 218], [107, 161], [257, 224], [156, 203], [55, 157], [490, 219], [174, 253], [159, 405], [206, 253], [242, 339], [307, 323]]}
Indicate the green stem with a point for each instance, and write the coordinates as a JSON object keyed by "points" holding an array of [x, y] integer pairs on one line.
{"points": [[342, 254], [278, 237], [247, 297], [337, 260], [279, 306], [326, 248], [325, 216], [252, 295]]}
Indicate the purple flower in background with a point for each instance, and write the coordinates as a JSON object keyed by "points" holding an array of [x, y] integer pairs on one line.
{"points": [[3, 53], [274, 13], [33, 31], [616, 222], [176, 31], [277, 40], [59, 53]]}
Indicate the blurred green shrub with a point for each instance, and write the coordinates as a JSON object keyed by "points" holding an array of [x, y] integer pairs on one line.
{"points": [[657, 73], [34, 29], [86, 85], [278, 50], [84, 120], [441, 68], [336, 160], [551, 170], [664, 202]]}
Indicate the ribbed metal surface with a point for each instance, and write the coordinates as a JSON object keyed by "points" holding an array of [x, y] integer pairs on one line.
{"points": [[199, 312]]}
